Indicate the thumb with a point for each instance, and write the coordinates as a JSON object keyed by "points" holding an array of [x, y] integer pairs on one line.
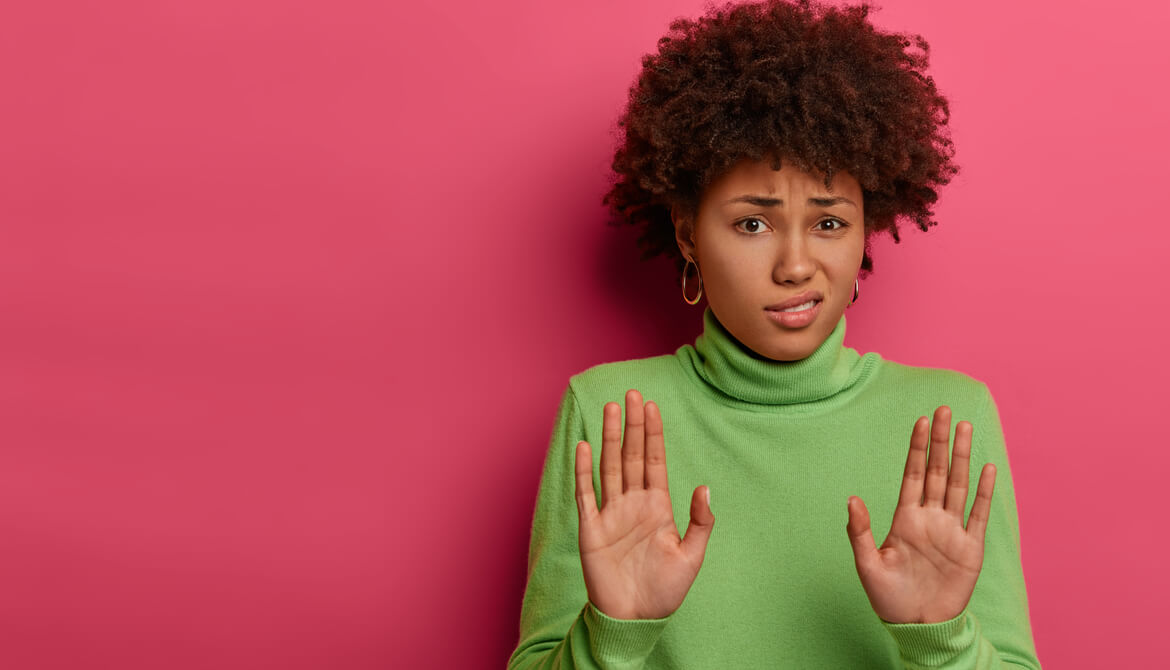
{"points": [[702, 520], [860, 534]]}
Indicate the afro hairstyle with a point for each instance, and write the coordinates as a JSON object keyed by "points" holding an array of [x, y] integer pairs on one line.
{"points": [[797, 80]]}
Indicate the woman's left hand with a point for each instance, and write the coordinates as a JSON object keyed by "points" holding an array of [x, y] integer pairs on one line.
{"points": [[926, 569]]}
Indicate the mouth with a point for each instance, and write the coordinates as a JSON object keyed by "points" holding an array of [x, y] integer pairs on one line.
{"points": [[798, 302], [798, 308], [796, 316]]}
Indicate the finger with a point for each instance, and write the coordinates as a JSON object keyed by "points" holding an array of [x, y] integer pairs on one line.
{"points": [[937, 467], [981, 510], [655, 449], [915, 472], [958, 483], [586, 496], [611, 454], [634, 443], [865, 550], [694, 543]]}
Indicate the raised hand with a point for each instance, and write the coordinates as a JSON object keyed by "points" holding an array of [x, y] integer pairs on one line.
{"points": [[636, 566], [926, 569]]}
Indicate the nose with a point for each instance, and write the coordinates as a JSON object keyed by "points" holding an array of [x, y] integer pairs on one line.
{"points": [[793, 265]]}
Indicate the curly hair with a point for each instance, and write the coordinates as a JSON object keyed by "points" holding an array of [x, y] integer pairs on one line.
{"points": [[814, 84]]}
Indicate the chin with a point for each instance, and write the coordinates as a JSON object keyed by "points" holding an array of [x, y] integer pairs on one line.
{"points": [[785, 354], [797, 344], [790, 358]]}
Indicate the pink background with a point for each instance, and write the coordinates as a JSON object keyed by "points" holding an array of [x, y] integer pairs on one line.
{"points": [[289, 291]]}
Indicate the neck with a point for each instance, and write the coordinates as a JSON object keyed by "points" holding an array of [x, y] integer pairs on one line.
{"points": [[724, 363]]}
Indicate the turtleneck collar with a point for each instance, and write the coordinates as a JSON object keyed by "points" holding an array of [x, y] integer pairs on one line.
{"points": [[726, 364]]}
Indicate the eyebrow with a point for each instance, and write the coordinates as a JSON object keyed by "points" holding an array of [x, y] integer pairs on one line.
{"points": [[765, 201]]}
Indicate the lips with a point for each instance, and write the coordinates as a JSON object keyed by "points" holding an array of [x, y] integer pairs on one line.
{"points": [[797, 300]]}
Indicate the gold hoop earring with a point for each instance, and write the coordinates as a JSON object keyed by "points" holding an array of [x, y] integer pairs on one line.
{"points": [[684, 283], [856, 293]]}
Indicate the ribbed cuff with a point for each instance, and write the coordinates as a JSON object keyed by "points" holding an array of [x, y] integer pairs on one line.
{"points": [[933, 644], [621, 643]]}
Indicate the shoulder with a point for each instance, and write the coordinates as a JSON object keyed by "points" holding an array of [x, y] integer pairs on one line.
{"points": [[605, 382], [940, 385]]}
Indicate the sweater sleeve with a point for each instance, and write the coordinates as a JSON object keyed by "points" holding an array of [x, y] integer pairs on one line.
{"points": [[994, 630], [559, 628]]}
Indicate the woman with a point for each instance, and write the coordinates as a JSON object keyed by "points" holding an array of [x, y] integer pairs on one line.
{"points": [[767, 144]]}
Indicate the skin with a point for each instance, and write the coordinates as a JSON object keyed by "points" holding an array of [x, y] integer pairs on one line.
{"points": [[635, 563], [751, 255]]}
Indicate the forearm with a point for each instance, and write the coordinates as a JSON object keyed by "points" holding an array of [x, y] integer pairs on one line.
{"points": [[594, 641], [956, 644]]}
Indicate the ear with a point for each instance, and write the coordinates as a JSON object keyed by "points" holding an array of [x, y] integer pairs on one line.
{"points": [[684, 233]]}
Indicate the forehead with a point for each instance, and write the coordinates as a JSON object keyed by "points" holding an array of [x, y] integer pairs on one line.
{"points": [[758, 177]]}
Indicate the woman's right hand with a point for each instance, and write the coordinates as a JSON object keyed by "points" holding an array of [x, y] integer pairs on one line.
{"points": [[636, 566]]}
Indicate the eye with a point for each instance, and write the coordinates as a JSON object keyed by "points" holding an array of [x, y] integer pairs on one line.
{"points": [[757, 228], [839, 221]]}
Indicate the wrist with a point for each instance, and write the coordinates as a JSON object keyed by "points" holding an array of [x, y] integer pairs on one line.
{"points": [[934, 644], [626, 612], [620, 640]]}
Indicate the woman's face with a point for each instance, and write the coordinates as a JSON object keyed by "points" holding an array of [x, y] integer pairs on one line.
{"points": [[764, 236]]}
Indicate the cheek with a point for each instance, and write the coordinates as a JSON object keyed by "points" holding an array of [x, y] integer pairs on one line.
{"points": [[846, 256], [739, 269]]}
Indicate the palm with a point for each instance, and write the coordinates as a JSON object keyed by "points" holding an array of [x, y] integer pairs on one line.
{"points": [[636, 565], [926, 569]]}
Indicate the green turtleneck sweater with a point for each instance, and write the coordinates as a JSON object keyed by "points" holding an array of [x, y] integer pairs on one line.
{"points": [[782, 446]]}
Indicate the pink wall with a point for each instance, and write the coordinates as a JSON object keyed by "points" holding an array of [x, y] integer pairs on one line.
{"points": [[289, 291]]}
